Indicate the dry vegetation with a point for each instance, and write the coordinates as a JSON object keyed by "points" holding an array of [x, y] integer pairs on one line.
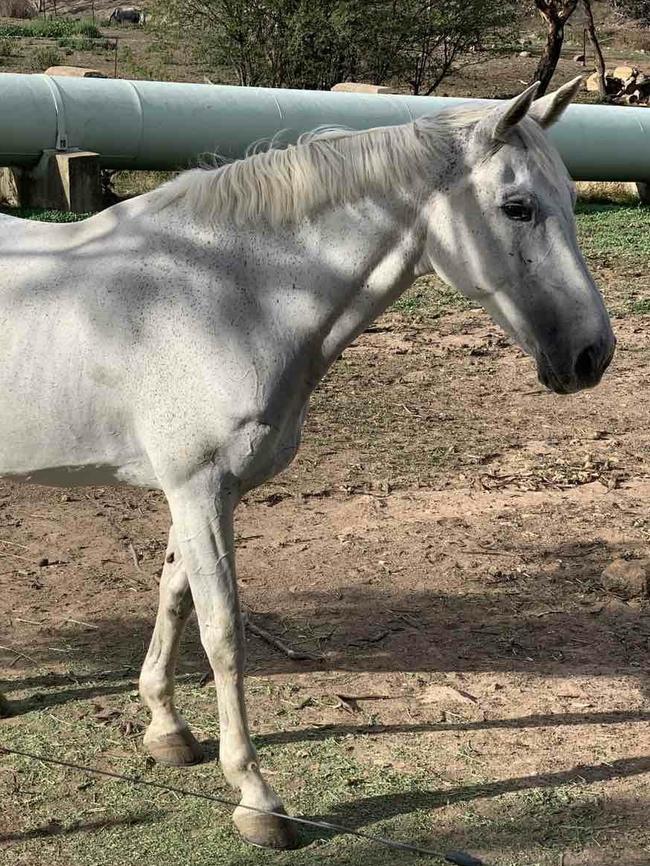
{"points": [[147, 52]]}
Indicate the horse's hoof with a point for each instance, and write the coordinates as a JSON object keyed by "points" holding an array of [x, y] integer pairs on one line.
{"points": [[180, 749], [265, 831]]}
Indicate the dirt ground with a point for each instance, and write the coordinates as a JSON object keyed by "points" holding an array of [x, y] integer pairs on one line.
{"points": [[439, 542]]}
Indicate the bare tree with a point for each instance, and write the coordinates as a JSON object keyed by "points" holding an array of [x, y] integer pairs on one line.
{"points": [[593, 38], [555, 13]]}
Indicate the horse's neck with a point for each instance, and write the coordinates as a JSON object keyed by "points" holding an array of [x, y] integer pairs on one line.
{"points": [[358, 260], [322, 281]]}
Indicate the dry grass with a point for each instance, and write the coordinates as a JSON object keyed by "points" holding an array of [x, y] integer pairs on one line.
{"points": [[607, 191]]}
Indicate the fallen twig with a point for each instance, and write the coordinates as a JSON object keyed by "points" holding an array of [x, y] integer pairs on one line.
{"points": [[81, 622], [16, 556], [296, 655], [134, 556], [18, 653]]}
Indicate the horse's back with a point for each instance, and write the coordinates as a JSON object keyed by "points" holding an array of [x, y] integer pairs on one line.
{"points": [[134, 334], [66, 354]]}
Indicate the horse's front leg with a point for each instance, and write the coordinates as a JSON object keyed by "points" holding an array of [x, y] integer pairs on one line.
{"points": [[168, 738], [202, 511]]}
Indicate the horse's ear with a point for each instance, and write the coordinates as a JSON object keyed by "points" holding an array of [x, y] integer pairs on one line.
{"points": [[547, 110], [500, 121]]}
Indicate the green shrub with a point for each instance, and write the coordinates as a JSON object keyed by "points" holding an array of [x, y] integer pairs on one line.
{"points": [[88, 28], [83, 43], [637, 10], [55, 28], [44, 57]]}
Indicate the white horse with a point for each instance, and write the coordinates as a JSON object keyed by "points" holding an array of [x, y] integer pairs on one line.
{"points": [[173, 341]]}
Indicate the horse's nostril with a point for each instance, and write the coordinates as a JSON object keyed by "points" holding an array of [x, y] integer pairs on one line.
{"points": [[610, 356], [584, 366]]}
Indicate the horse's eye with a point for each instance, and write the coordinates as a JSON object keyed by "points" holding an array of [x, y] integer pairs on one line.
{"points": [[516, 210]]}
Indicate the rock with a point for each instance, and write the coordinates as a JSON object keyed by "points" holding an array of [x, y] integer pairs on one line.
{"points": [[75, 72], [628, 578], [578, 58], [525, 54], [360, 87], [612, 83], [624, 72], [592, 82]]}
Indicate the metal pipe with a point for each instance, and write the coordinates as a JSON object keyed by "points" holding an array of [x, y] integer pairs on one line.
{"points": [[161, 125]]}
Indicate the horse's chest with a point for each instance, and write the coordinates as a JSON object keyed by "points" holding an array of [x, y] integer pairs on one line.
{"points": [[265, 447]]}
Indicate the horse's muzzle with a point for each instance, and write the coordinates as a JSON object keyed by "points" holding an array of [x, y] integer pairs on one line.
{"points": [[587, 369]]}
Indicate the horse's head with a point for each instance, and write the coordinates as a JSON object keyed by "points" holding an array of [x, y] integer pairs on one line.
{"points": [[503, 233]]}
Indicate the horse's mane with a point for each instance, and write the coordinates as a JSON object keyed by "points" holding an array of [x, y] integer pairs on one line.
{"points": [[333, 166]]}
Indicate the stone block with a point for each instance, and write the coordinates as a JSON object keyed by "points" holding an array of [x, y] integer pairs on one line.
{"points": [[67, 181]]}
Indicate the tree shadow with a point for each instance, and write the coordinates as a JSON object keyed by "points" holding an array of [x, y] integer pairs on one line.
{"points": [[358, 813], [326, 732], [55, 828], [379, 628]]}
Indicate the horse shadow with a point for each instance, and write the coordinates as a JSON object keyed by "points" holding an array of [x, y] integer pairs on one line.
{"points": [[420, 632]]}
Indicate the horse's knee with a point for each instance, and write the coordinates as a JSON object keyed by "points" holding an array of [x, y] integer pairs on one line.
{"points": [[226, 657], [178, 604], [175, 595]]}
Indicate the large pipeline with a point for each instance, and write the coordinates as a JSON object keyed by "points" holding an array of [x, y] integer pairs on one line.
{"points": [[160, 125]]}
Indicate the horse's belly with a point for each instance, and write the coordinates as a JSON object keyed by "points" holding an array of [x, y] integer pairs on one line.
{"points": [[134, 473]]}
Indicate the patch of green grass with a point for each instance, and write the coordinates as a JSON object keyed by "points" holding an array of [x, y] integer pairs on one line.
{"points": [[83, 43], [44, 215], [621, 230], [62, 816], [616, 243], [430, 298], [51, 28], [107, 822], [640, 306], [411, 301]]}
